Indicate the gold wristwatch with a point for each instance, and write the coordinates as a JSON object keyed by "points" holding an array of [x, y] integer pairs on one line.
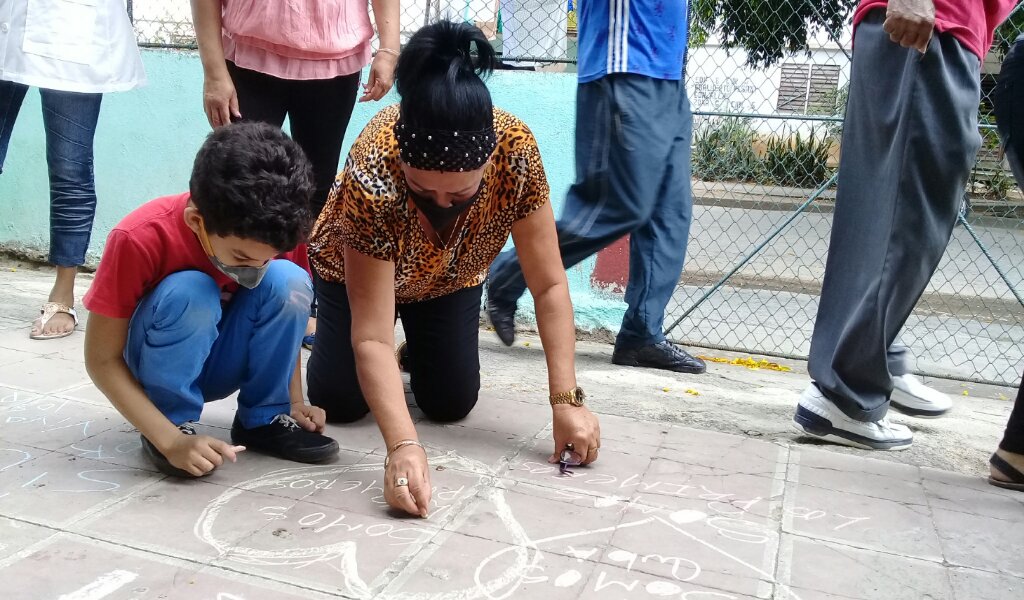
{"points": [[574, 397]]}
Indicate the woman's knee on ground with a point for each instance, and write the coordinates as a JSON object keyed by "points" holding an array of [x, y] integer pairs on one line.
{"points": [[449, 400]]}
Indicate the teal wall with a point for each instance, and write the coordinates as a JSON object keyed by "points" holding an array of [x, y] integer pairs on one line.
{"points": [[147, 138]]}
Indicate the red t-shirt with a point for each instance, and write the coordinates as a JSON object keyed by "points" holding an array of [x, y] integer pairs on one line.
{"points": [[148, 245], [973, 22]]}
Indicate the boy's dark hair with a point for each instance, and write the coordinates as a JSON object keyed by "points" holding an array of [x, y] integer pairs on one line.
{"points": [[250, 180], [441, 82]]}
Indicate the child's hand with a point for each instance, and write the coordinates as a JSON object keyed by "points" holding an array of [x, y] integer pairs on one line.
{"points": [[200, 454], [310, 418]]}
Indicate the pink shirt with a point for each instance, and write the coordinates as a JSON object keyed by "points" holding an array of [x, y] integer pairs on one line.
{"points": [[973, 22], [298, 39]]}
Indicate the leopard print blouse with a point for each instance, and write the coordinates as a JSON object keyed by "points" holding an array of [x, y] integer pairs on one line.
{"points": [[368, 211]]}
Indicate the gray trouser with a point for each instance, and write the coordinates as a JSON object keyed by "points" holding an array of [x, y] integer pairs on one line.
{"points": [[909, 140]]}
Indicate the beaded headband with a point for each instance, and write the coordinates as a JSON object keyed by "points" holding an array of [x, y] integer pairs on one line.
{"points": [[434, 150]]}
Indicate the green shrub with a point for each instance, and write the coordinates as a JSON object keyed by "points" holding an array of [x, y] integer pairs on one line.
{"points": [[724, 151], [797, 161]]}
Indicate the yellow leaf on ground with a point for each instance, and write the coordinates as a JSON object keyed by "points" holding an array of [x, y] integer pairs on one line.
{"points": [[751, 363]]}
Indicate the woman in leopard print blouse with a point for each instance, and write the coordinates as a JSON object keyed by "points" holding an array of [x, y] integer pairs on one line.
{"points": [[428, 197]]}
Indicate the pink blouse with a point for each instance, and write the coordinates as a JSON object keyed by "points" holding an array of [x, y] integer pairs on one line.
{"points": [[298, 39]]}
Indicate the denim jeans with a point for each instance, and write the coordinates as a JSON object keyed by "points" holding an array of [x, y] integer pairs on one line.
{"points": [[185, 349], [69, 119]]}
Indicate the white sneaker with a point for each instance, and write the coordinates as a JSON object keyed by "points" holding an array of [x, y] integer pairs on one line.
{"points": [[819, 417], [912, 397]]}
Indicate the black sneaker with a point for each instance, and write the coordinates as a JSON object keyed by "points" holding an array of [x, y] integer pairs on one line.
{"points": [[504, 321], [160, 461], [664, 355], [285, 438]]}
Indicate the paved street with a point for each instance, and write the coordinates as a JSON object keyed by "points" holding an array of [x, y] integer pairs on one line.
{"points": [[703, 492]]}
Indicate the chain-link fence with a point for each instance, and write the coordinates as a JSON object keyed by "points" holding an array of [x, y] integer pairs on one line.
{"points": [[525, 32], [767, 123], [766, 146]]}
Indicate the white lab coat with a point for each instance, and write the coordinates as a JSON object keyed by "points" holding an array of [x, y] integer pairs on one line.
{"points": [[69, 45]]}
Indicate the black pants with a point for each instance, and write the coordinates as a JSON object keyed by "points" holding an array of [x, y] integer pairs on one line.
{"points": [[443, 338], [1008, 98], [1013, 439], [318, 111]]}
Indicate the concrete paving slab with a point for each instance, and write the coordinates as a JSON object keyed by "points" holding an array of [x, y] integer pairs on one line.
{"points": [[969, 584], [17, 535], [90, 570], [44, 375], [56, 489], [694, 546], [702, 492], [862, 521], [444, 571], [844, 572], [161, 519], [981, 543], [50, 422]]}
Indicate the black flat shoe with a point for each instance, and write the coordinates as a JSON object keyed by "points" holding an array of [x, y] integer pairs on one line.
{"points": [[285, 438], [504, 322], [664, 355]]}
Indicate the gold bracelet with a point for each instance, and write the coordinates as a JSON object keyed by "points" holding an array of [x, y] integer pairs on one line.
{"points": [[388, 51], [399, 445]]}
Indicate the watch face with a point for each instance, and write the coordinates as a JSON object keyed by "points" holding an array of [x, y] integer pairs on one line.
{"points": [[578, 397]]}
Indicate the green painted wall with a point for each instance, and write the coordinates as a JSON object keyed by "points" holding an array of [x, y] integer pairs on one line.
{"points": [[147, 138]]}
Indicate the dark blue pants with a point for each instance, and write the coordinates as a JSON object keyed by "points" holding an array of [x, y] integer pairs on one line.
{"points": [[70, 122], [632, 177], [1008, 98], [909, 140], [184, 349]]}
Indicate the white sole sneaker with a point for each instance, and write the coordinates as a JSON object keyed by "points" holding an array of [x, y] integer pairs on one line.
{"points": [[818, 417], [912, 397]]}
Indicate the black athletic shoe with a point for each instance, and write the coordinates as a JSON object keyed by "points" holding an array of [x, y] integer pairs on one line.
{"points": [[664, 355], [503, 320], [285, 438], [160, 461]]}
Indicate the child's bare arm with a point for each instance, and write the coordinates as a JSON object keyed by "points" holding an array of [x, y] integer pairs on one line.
{"points": [[105, 339]]}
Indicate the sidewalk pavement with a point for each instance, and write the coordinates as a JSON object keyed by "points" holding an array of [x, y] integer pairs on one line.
{"points": [[702, 492]]}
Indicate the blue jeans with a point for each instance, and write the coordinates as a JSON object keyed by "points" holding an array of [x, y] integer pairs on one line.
{"points": [[185, 349], [70, 122], [632, 177]]}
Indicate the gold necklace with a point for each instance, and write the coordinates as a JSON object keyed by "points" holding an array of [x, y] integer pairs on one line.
{"points": [[457, 229]]}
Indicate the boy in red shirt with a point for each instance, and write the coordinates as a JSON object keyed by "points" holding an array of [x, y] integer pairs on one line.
{"points": [[190, 305]]}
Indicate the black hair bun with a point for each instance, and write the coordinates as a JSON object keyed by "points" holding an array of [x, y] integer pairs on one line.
{"points": [[454, 51]]}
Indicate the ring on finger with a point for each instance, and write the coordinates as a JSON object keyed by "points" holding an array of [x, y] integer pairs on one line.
{"points": [[401, 482]]}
